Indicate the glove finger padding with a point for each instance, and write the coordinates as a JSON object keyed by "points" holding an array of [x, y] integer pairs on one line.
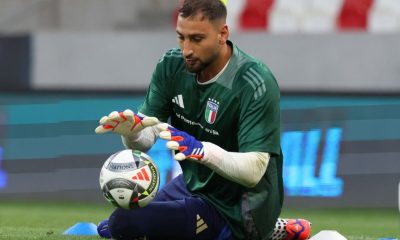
{"points": [[114, 115], [187, 145], [102, 128], [112, 123], [124, 123], [149, 121], [126, 115], [173, 145]]}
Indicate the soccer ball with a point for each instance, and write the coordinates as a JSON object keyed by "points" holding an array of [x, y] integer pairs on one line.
{"points": [[298, 229], [129, 179]]}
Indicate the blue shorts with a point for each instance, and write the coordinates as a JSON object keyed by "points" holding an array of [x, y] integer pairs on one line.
{"points": [[175, 214]]}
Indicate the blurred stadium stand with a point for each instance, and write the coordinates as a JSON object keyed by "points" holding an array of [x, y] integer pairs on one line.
{"points": [[277, 16], [84, 15], [354, 14], [101, 53], [254, 15], [384, 16]]}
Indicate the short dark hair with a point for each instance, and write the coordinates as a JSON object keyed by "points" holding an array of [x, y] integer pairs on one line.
{"points": [[211, 9]]}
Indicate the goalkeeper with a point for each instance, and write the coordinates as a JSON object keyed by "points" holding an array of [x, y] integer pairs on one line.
{"points": [[224, 115]]}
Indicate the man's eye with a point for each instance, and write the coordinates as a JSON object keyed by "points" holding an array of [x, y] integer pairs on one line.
{"points": [[197, 39]]}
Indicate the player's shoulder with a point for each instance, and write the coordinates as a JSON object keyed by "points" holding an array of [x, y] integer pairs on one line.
{"points": [[170, 62], [256, 71], [252, 71], [252, 75], [248, 63], [172, 55]]}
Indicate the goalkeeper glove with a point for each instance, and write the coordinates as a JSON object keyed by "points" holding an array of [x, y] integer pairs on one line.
{"points": [[188, 146], [124, 123], [103, 230]]}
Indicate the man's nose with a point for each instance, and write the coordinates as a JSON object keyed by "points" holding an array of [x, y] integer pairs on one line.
{"points": [[187, 49]]}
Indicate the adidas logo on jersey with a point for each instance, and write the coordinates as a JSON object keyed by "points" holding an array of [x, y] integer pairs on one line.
{"points": [[178, 100]]}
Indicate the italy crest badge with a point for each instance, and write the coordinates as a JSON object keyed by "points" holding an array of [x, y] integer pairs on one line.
{"points": [[211, 110]]}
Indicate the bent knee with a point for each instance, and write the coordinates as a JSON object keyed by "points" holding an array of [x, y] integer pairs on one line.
{"points": [[118, 224], [122, 225]]}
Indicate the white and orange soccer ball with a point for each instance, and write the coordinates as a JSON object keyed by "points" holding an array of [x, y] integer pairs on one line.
{"points": [[129, 179]]}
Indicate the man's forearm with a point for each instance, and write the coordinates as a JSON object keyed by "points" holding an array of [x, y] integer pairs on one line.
{"points": [[244, 168]]}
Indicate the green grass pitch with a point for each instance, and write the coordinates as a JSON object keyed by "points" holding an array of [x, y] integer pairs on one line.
{"points": [[354, 224], [32, 220]]}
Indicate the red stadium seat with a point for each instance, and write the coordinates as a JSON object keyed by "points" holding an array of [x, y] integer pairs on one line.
{"points": [[255, 15], [175, 13], [354, 15]]}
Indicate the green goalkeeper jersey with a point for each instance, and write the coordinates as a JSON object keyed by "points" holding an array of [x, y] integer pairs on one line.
{"points": [[239, 112]]}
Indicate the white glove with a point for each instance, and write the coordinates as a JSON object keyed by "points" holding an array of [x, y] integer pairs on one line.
{"points": [[124, 123]]}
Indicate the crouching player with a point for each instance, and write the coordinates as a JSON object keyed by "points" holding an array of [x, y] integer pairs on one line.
{"points": [[224, 114]]}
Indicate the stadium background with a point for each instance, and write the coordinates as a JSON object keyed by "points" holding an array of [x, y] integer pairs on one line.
{"points": [[64, 64]]}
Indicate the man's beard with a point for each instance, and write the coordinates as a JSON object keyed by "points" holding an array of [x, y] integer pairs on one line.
{"points": [[200, 65]]}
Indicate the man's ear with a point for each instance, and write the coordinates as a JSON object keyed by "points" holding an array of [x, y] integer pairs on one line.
{"points": [[224, 34]]}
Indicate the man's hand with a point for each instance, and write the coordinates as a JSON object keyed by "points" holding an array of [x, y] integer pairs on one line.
{"points": [[187, 145], [124, 123]]}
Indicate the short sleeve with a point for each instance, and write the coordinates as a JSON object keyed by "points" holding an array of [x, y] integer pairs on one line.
{"points": [[259, 121]]}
